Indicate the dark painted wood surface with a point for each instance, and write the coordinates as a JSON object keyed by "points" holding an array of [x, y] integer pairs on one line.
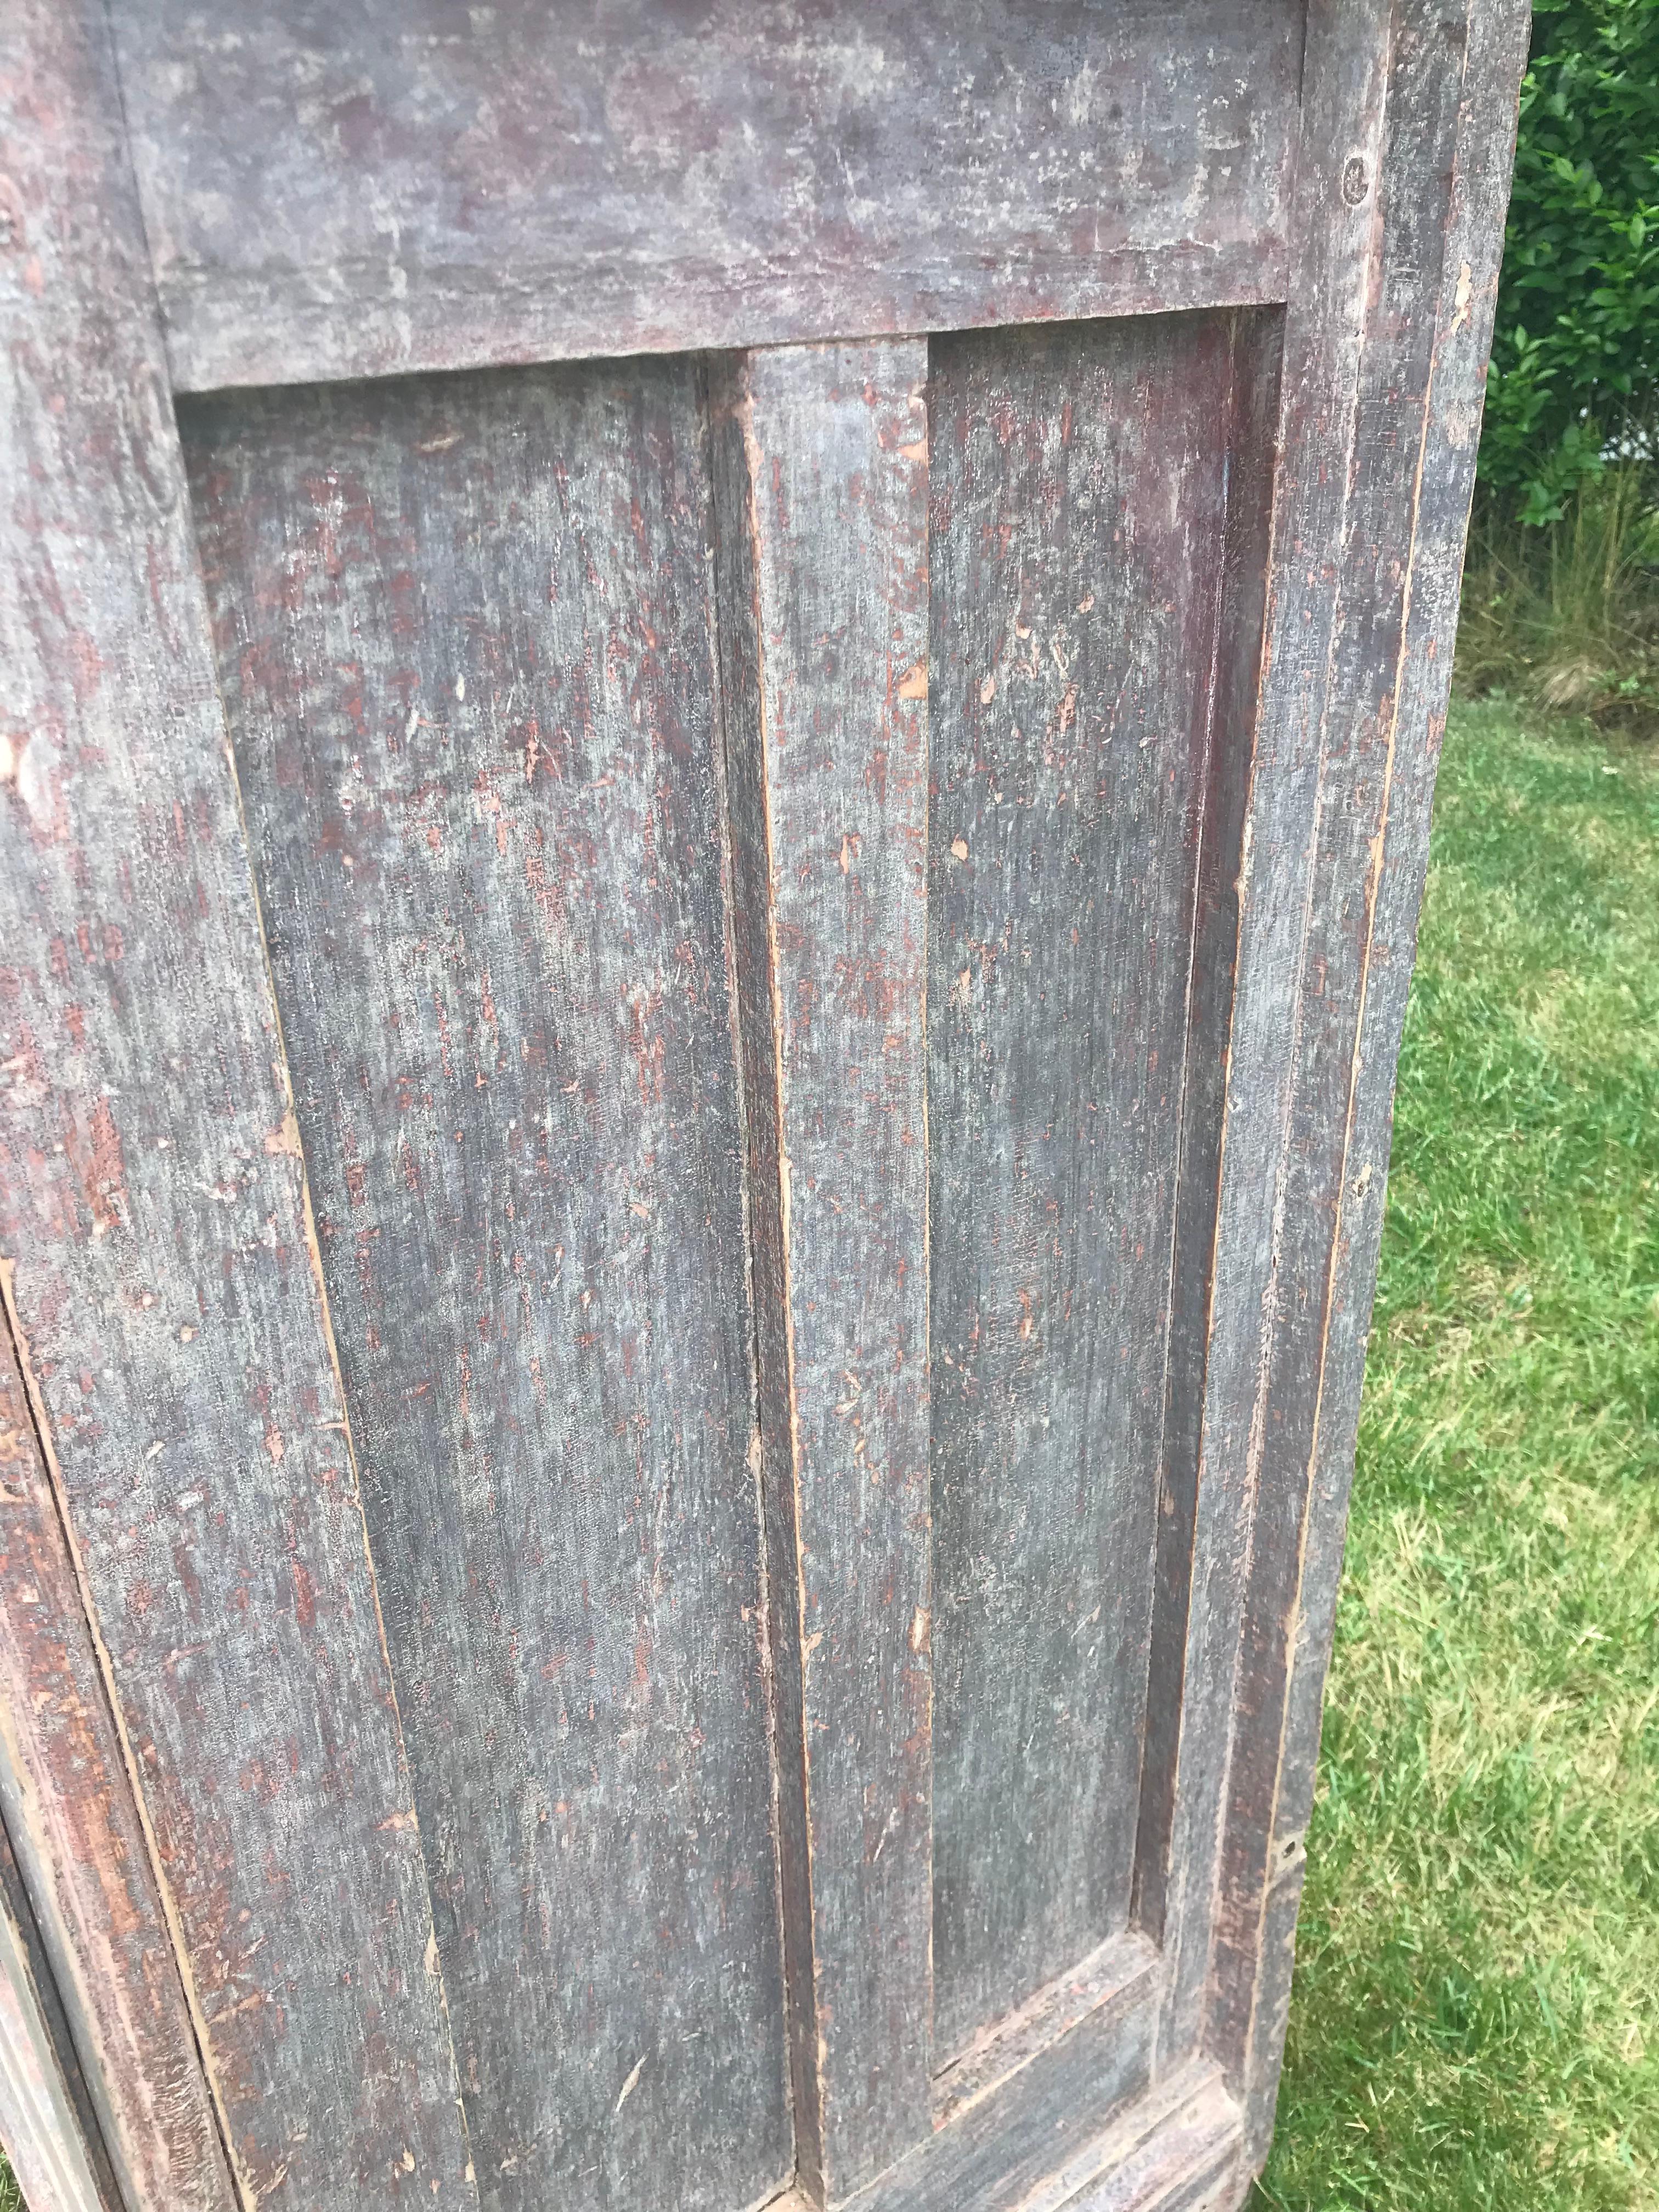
{"points": [[1079, 491], [833, 769], [1178, 2149], [67, 1802], [1251, 464], [339, 191], [1344, 97], [1454, 82], [1006, 2147], [1013, 2041], [754, 938], [154, 1212], [466, 645]]}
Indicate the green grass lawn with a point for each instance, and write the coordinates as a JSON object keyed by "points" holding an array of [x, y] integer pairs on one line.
{"points": [[1476, 2013], [1476, 2020]]}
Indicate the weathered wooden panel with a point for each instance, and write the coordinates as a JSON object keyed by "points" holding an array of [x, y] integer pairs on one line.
{"points": [[1003, 2149], [831, 769], [1344, 100], [345, 190], [1453, 81], [585, 715], [1251, 469], [1080, 512], [67, 1802], [467, 649], [153, 1206]]}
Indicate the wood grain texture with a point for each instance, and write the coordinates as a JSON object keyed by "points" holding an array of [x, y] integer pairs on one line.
{"points": [[1079, 490], [833, 493], [152, 1205], [1252, 459], [1023, 2035], [1453, 83], [1344, 89], [1176, 2149], [47, 2123], [465, 632], [755, 947], [1007, 2149], [1441, 487], [67, 1802], [586, 720], [337, 192]]}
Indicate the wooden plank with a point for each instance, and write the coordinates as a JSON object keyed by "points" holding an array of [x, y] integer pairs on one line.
{"points": [[47, 2123], [1441, 487], [1024, 2035], [67, 1801], [347, 192], [1252, 460], [1175, 2148], [1336, 228], [1004, 2150], [832, 493], [1453, 94], [1079, 490], [153, 1206], [759, 1026], [465, 631]]}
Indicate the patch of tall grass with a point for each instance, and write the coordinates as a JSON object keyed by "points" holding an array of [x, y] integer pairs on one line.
{"points": [[1566, 617]]}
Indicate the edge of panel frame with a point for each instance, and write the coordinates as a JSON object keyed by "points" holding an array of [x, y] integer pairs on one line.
{"points": [[68, 1798], [1258, 337], [824, 475], [750, 862], [1344, 100], [154, 1214], [46, 2120], [1396, 691]]}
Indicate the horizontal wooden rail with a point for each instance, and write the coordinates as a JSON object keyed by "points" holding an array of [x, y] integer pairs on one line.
{"points": [[431, 187]]}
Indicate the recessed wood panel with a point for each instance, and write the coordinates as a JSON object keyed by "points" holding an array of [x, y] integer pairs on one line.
{"points": [[343, 190], [466, 641], [1080, 485]]}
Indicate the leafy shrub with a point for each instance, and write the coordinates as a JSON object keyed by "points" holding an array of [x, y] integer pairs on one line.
{"points": [[1576, 357]]}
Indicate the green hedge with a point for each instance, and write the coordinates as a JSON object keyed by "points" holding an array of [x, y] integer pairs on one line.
{"points": [[1575, 355]]}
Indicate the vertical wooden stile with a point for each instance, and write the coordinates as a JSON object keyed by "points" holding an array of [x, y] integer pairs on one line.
{"points": [[829, 785], [1443, 181], [1345, 82], [1254, 402]]}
